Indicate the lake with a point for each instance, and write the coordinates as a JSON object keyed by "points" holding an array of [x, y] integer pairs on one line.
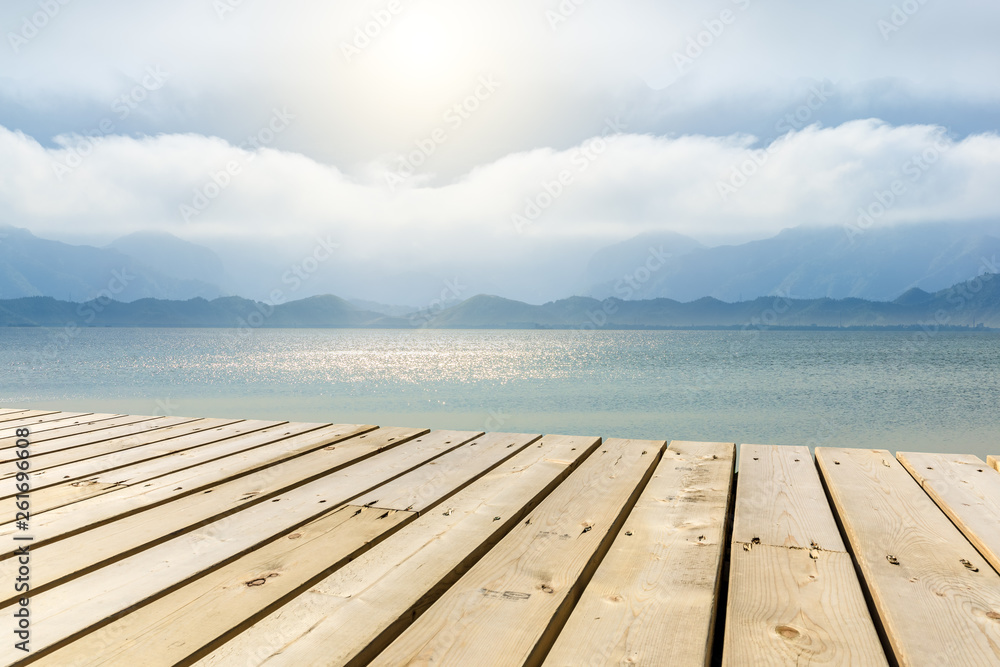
{"points": [[933, 391]]}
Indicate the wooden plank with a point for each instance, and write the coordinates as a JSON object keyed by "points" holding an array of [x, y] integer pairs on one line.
{"points": [[146, 433], [797, 607], [77, 605], [8, 428], [937, 599], [173, 626], [510, 605], [133, 432], [58, 430], [422, 488], [105, 474], [194, 446], [781, 501], [145, 513], [49, 464], [110, 456], [351, 615], [793, 593], [26, 416], [221, 460], [994, 461], [652, 601], [967, 490], [10, 411], [215, 606], [44, 429], [66, 558]]}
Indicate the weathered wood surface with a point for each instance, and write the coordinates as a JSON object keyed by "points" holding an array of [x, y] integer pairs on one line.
{"points": [[967, 490], [509, 607], [352, 615], [105, 543], [653, 599], [28, 417], [220, 603], [797, 607], [82, 483], [8, 436], [937, 599], [76, 427], [56, 485], [56, 448], [215, 606], [89, 437], [780, 500], [82, 602], [217, 436], [231, 542], [793, 595], [144, 513]]}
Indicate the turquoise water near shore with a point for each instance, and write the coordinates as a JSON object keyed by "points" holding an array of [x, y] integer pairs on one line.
{"points": [[933, 391]]}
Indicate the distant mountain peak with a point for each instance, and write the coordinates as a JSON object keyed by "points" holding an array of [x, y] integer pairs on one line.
{"points": [[809, 262], [34, 266], [913, 297]]}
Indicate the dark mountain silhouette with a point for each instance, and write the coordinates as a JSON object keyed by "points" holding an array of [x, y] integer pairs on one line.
{"points": [[973, 303]]}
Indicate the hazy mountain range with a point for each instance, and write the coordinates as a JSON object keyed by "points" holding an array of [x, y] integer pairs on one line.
{"points": [[878, 264], [129, 269], [974, 303], [802, 263]]}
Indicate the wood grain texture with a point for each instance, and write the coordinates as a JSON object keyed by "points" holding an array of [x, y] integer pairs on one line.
{"points": [[189, 504], [218, 604], [84, 486], [8, 436], [178, 625], [44, 462], [26, 418], [777, 500], [794, 597], [73, 481], [994, 461], [967, 491], [797, 607], [652, 601], [125, 435], [350, 616], [47, 453], [937, 599], [78, 604], [421, 488], [60, 560], [510, 605]]}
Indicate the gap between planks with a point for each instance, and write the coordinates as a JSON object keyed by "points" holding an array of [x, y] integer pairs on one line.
{"points": [[221, 604], [967, 490], [793, 593]]}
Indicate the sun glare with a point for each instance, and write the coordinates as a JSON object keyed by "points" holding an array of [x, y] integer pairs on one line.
{"points": [[419, 50], [421, 42]]}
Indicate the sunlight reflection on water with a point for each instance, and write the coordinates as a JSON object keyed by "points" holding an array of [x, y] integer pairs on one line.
{"points": [[869, 389]]}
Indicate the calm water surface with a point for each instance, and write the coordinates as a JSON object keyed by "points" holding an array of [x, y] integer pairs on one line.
{"points": [[894, 390]]}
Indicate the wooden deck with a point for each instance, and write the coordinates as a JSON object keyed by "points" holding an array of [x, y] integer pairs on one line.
{"points": [[169, 540]]}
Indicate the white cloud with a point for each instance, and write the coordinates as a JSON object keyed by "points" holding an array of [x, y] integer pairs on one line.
{"points": [[613, 187]]}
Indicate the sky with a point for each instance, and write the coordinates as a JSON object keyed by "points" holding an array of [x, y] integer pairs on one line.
{"points": [[507, 138]]}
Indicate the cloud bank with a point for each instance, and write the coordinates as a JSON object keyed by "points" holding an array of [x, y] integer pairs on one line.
{"points": [[610, 187]]}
